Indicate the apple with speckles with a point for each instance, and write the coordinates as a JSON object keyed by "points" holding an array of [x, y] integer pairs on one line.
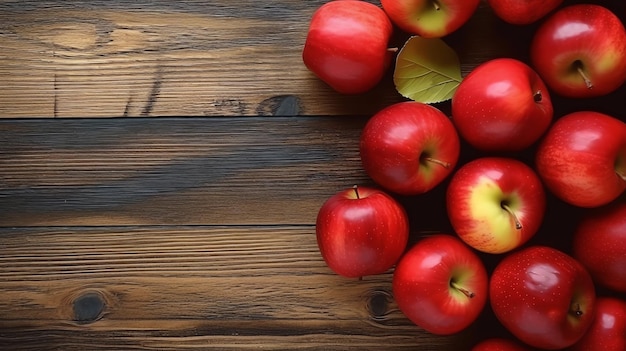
{"points": [[361, 231], [600, 245], [582, 158], [502, 105], [543, 296], [522, 12], [409, 147], [495, 204], [347, 45], [499, 344], [580, 51], [608, 329], [440, 284], [430, 18]]}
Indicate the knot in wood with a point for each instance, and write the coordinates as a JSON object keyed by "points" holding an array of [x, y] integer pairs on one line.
{"points": [[88, 307]]}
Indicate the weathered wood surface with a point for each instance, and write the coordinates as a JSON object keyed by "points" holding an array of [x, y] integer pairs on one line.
{"points": [[178, 232], [191, 58], [174, 171], [174, 233], [186, 287]]}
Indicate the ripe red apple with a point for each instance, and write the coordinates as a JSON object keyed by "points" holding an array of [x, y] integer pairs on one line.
{"points": [[582, 158], [430, 18], [502, 105], [522, 12], [347, 45], [580, 51], [608, 329], [361, 231], [543, 296], [440, 284], [409, 147], [600, 245], [499, 344], [495, 204]]}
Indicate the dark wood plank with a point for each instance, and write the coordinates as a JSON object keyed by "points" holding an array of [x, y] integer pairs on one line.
{"points": [[218, 288], [174, 171]]}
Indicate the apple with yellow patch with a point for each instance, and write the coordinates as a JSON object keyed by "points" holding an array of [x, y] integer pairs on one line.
{"points": [[495, 204]]}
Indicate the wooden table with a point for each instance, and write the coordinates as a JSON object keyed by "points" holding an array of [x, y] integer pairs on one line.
{"points": [[161, 167]]}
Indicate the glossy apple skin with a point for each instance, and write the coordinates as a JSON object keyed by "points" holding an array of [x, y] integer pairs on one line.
{"points": [[608, 330], [533, 293], [522, 12], [347, 45], [474, 199], [422, 284], [600, 245], [589, 34], [396, 140], [582, 158], [421, 17], [499, 344], [364, 235], [502, 105]]}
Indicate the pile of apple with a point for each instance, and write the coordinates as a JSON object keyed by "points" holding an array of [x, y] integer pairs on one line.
{"points": [[545, 297]]}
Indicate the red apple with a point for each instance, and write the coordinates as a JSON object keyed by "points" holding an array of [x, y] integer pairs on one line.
{"points": [[608, 329], [522, 12], [346, 45], [440, 284], [430, 18], [361, 231], [580, 51], [543, 296], [582, 158], [600, 245], [499, 344], [409, 147], [502, 105], [495, 204]]}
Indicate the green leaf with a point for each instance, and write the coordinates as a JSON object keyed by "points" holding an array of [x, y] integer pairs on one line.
{"points": [[427, 70]]}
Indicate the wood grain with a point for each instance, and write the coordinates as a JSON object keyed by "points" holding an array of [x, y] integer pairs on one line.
{"points": [[196, 230], [174, 171], [215, 288], [193, 58]]}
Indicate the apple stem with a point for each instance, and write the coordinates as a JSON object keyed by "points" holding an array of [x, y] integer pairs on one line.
{"points": [[623, 176], [537, 97], [518, 224], [392, 50], [461, 289], [576, 310], [579, 68], [439, 162], [436, 5], [356, 191]]}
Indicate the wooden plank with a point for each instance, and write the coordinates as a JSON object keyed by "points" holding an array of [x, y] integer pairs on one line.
{"points": [[218, 288], [174, 171], [196, 58], [123, 58]]}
